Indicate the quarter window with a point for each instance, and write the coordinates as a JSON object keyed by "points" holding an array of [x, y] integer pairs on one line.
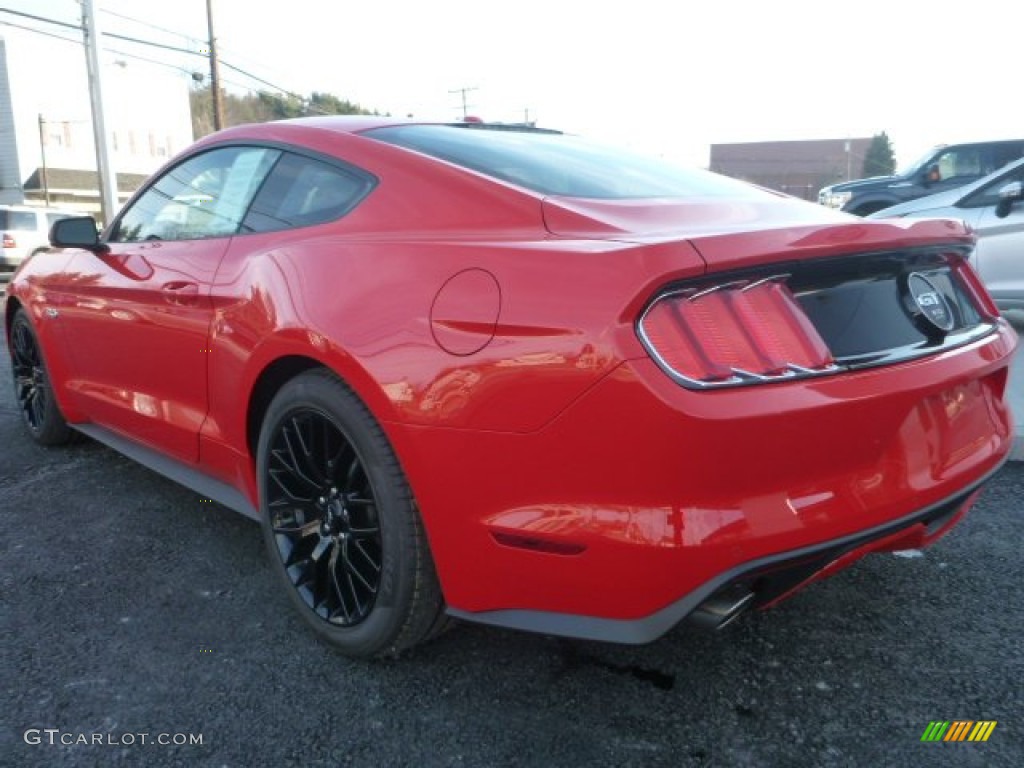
{"points": [[301, 191], [205, 196]]}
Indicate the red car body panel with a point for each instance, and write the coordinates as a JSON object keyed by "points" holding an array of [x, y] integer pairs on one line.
{"points": [[491, 331]]}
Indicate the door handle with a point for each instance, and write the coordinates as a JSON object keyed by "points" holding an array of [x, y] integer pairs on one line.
{"points": [[180, 291]]}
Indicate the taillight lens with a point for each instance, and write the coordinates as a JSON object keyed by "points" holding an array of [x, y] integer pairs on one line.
{"points": [[9, 241], [734, 333], [969, 278]]}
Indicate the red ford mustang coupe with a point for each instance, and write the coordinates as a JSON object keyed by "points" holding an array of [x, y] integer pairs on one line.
{"points": [[506, 375]]}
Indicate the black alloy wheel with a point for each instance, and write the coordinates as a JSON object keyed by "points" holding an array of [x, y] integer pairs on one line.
{"points": [[323, 513], [32, 390], [340, 523]]}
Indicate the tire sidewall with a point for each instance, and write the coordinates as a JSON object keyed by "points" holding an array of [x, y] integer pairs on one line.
{"points": [[379, 629], [54, 430]]}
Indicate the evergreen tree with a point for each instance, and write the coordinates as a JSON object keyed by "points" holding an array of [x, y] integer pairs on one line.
{"points": [[879, 159]]}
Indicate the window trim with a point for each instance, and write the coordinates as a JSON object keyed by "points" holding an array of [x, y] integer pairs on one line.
{"points": [[370, 182]]}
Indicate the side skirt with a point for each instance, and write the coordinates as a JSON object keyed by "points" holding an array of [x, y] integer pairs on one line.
{"points": [[172, 469]]}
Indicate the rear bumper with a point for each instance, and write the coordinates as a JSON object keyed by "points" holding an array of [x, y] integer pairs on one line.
{"points": [[767, 580], [642, 499]]}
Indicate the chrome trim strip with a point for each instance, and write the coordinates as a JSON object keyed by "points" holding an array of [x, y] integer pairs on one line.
{"points": [[715, 289], [796, 372], [780, 278]]}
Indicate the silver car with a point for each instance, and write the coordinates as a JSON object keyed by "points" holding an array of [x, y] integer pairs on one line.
{"points": [[994, 207], [25, 231]]}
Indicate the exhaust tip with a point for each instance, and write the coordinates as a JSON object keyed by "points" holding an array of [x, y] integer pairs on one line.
{"points": [[721, 610]]}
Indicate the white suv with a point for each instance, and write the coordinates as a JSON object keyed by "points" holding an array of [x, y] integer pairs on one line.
{"points": [[25, 230]]}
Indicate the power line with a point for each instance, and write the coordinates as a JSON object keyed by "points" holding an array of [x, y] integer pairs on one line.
{"points": [[237, 69], [147, 24], [115, 51], [188, 72], [191, 38], [151, 43], [41, 18], [41, 32], [241, 71], [127, 38], [463, 91]]}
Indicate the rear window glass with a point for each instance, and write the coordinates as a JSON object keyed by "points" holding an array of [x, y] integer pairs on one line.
{"points": [[560, 164], [22, 220]]}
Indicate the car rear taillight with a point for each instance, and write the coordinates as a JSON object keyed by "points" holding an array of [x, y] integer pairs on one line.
{"points": [[9, 241], [735, 333], [970, 280]]}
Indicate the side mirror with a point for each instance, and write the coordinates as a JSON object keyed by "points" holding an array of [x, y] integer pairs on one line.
{"points": [[931, 174], [76, 232], [1008, 195]]}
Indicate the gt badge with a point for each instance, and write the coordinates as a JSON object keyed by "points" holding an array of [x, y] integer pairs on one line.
{"points": [[933, 306]]}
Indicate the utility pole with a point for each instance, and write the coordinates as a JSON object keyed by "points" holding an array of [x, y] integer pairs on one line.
{"points": [[107, 177], [42, 151], [463, 91], [218, 101]]}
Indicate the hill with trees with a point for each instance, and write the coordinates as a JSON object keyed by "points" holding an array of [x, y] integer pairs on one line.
{"points": [[263, 106]]}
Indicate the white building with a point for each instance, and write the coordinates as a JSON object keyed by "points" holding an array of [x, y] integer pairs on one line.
{"points": [[47, 147]]}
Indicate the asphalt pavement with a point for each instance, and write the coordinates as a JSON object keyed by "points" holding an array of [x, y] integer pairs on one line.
{"points": [[134, 613]]}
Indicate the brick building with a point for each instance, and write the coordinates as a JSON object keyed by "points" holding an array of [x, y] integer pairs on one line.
{"points": [[798, 168]]}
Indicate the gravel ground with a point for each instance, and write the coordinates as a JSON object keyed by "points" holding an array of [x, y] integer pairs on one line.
{"points": [[128, 606]]}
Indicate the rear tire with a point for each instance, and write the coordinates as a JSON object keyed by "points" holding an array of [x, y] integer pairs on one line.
{"points": [[340, 524], [39, 410]]}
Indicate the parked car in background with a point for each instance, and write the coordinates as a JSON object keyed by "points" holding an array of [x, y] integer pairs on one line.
{"points": [[511, 376], [994, 208], [25, 230], [943, 168]]}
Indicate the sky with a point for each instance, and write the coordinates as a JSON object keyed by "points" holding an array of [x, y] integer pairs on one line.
{"points": [[668, 77]]}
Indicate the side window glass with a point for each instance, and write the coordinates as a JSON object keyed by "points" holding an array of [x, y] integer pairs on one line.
{"points": [[25, 220], [989, 194], [1004, 154], [205, 196], [301, 191], [960, 162]]}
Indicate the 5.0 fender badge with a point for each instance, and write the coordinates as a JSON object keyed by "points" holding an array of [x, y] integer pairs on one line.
{"points": [[933, 305]]}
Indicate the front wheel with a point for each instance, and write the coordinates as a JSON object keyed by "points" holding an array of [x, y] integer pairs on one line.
{"points": [[32, 390], [340, 524]]}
